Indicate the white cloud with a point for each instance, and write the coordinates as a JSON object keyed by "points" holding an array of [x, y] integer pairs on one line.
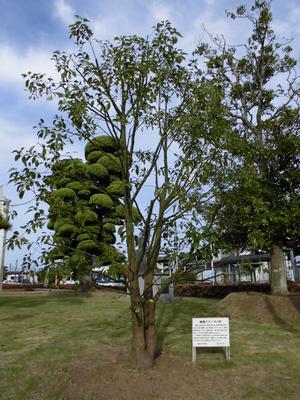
{"points": [[14, 63], [64, 11], [288, 26], [160, 11], [12, 137], [210, 2], [106, 28]]}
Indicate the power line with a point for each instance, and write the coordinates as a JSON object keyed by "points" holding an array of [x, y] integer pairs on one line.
{"points": [[22, 204]]}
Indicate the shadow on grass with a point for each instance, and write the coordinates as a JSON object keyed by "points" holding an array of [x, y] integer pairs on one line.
{"points": [[295, 301], [23, 301], [165, 319], [19, 317], [177, 316]]}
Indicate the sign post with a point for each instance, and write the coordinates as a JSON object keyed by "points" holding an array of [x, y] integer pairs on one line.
{"points": [[210, 332]]}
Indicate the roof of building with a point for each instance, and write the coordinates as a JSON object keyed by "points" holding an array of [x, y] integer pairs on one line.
{"points": [[245, 257]]}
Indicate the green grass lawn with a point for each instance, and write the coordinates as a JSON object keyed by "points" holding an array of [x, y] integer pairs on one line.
{"points": [[42, 334]]}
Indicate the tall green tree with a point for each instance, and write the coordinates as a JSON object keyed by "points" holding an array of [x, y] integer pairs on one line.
{"points": [[259, 207], [138, 91]]}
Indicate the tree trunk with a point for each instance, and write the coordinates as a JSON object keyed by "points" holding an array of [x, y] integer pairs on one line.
{"points": [[278, 271], [143, 343], [46, 280], [143, 329], [85, 280]]}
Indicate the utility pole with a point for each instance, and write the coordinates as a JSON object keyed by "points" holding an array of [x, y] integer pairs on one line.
{"points": [[4, 209]]}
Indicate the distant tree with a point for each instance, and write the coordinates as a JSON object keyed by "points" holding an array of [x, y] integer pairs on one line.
{"points": [[258, 205], [139, 92]]}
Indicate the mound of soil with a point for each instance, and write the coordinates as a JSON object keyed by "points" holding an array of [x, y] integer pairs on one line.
{"points": [[262, 307]]}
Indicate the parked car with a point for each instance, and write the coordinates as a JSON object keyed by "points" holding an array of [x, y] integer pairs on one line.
{"points": [[110, 283], [10, 282]]}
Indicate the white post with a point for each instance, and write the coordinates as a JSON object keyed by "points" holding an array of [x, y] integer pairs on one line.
{"points": [[194, 354], [227, 353]]}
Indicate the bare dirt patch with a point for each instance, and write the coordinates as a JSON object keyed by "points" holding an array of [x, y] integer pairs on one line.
{"points": [[107, 374], [262, 307]]}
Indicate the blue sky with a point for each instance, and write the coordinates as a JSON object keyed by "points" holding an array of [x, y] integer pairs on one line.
{"points": [[31, 29]]}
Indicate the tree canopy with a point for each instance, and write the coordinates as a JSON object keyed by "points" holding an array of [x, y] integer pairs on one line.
{"points": [[258, 205], [138, 92]]}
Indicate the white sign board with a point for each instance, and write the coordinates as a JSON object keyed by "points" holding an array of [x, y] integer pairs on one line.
{"points": [[211, 332]]}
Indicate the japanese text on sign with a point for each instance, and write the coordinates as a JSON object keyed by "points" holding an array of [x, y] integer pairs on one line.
{"points": [[211, 332]]}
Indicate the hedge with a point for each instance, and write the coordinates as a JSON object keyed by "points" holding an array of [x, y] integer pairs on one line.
{"points": [[221, 291]]}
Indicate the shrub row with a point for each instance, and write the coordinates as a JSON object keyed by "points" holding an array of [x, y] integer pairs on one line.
{"points": [[29, 286], [221, 291]]}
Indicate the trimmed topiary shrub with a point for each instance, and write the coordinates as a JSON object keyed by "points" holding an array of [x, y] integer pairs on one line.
{"points": [[120, 211], [86, 216], [113, 178], [50, 224], [88, 245], [64, 194], [101, 200], [111, 163], [76, 186], [86, 236], [75, 168], [114, 221], [109, 227], [98, 171], [81, 208], [116, 188], [108, 237], [61, 241], [94, 156], [67, 229], [84, 194], [61, 183], [104, 143], [59, 208], [62, 221], [108, 250]]}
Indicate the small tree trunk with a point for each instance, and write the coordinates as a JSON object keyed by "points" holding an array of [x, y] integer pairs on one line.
{"points": [[143, 328], [149, 314], [150, 331], [141, 357], [46, 280], [278, 271], [85, 280]]}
